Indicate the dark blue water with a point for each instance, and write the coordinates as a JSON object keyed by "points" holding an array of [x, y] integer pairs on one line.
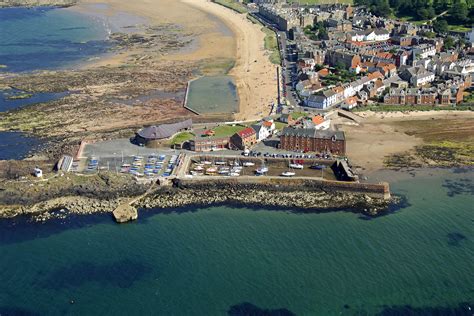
{"points": [[7, 104], [48, 38], [16, 145]]}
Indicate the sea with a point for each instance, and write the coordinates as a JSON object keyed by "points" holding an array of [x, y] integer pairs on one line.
{"points": [[45, 38], [228, 260], [418, 259]]}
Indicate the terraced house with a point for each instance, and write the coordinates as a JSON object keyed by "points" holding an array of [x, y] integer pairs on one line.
{"points": [[313, 140]]}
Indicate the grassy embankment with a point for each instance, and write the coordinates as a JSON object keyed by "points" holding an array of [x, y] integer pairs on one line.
{"points": [[271, 44], [233, 5], [447, 142], [181, 137]]}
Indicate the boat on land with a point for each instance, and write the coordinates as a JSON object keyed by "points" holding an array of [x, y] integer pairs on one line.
{"points": [[262, 170], [198, 168], [206, 162], [296, 166], [288, 174], [220, 163], [234, 174], [317, 167], [211, 170], [248, 164]]}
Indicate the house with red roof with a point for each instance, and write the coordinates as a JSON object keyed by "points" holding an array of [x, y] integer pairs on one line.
{"points": [[244, 139], [320, 122]]}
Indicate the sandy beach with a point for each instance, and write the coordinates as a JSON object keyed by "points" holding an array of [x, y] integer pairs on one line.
{"points": [[382, 134], [253, 73]]}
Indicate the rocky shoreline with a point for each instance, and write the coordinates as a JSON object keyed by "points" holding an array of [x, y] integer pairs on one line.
{"points": [[37, 3], [300, 201]]}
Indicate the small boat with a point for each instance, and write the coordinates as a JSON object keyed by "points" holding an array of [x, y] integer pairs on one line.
{"points": [[211, 171], [206, 162], [248, 164], [220, 163], [195, 173], [198, 168], [317, 167], [288, 174], [296, 166], [234, 174], [262, 170]]}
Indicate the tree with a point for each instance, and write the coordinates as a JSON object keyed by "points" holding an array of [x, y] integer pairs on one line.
{"points": [[426, 13], [440, 6], [441, 26], [448, 43], [458, 12], [381, 8]]}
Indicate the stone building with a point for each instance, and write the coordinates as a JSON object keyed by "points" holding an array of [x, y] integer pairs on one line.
{"points": [[313, 140], [244, 139]]}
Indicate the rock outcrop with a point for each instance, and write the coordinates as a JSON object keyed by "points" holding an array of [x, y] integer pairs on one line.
{"points": [[125, 213]]}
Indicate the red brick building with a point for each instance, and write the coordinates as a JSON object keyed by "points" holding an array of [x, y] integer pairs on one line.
{"points": [[209, 143], [313, 140], [244, 139]]}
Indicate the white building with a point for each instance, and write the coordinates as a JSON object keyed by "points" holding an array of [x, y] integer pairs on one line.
{"points": [[261, 131], [370, 35]]}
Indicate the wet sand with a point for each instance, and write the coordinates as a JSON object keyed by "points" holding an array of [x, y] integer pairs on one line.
{"points": [[253, 73], [381, 134]]}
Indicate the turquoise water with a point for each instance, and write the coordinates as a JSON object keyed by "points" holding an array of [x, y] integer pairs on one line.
{"points": [[226, 260], [48, 38], [213, 94]]}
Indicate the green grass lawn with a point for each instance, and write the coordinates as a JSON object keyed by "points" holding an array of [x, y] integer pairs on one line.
{"points": [[271, 44], [181, 137], [227, 130], [459, 28], [280, 125], [233, 5], [297, 115]]}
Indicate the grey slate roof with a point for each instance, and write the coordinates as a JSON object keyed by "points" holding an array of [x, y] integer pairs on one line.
{"points": [[164, 130], [313, 133]]}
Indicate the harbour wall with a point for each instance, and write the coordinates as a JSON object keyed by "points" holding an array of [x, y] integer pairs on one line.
{"points": [[379, 191]]}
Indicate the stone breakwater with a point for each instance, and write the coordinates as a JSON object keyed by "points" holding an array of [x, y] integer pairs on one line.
{"points": [[300, 198], [299, 201]]}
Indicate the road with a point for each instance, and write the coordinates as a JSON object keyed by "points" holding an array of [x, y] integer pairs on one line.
{"points": [[289, 70]]}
